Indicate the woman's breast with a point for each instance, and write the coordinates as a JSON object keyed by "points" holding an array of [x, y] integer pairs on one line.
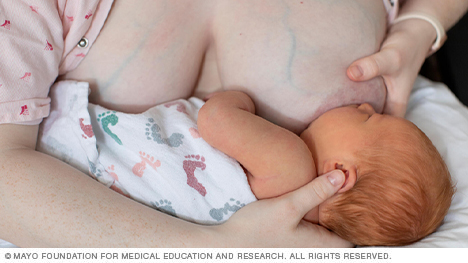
{"points": [[291, 56], [296, 110], [146, 54]]}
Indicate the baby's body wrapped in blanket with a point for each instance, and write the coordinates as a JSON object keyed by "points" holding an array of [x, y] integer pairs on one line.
{"points": [[432, 107], [157, 157]]}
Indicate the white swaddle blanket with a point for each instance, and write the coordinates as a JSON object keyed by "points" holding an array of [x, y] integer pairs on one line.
{"points": [[156, 157]]}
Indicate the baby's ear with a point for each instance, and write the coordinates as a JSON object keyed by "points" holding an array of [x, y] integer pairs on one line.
{"points": [[348, 169], [351, 178]]}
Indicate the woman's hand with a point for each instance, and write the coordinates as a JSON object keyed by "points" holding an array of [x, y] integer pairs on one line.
{"points": [[398, 62], [278, 222]]}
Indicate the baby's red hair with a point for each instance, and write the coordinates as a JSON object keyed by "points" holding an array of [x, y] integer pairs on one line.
{"points": [[402, 193]]}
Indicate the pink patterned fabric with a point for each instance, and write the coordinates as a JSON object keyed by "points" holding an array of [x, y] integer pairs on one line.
{"points": [[38, 42]]}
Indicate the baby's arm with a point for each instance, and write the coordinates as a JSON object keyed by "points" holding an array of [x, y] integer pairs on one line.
{"points": [[277, 160]]}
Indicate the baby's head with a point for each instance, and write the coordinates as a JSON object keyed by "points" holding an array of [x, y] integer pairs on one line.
{"points": [[397, 190]]}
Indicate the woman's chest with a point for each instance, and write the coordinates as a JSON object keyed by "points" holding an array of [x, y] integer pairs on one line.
{"points": [[291, 57], [148, 52]]}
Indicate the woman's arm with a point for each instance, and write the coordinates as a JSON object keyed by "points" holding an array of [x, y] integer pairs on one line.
{"points": [[45, 202], [278, 161], [448, 12]]}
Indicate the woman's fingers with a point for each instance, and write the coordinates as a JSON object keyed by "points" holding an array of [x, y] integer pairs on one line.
{"points": [[388, 64], [385, 62], [277, 222], [396, 106], [315, 192]]}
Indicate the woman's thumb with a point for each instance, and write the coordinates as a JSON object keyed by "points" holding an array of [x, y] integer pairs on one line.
{"points": [[317, 191], [382, 63]]}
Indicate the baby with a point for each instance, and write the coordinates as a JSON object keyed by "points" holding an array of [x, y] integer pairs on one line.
{"points": [[397, 187]]}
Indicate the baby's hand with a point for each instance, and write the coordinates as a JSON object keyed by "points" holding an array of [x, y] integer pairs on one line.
{"points": [[211, 95], [398, 62]]}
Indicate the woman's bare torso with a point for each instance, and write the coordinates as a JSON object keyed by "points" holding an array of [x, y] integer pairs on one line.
{"points": [[289, 56]]}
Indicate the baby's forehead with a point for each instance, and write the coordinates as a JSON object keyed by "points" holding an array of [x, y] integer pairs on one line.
{"points": [[392, 129], [397, 131], [397, 124]]}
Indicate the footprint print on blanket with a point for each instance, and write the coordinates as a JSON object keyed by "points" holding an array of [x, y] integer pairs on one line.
{"points": [[190, 165], [110, 171], [87, 129], [164, 206], [152, 133], [107, 118], [219, 213], [180, 106], [194, 132], [139, 168], [94, 171]]}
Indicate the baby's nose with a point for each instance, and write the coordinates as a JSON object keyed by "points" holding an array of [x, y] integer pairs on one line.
{"points": [[367, 108]]}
